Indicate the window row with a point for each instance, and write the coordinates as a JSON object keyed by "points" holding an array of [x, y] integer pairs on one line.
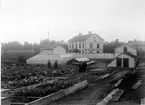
{"points": [[91, 45], [75, 46]]}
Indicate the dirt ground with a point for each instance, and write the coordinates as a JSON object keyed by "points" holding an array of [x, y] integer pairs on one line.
{"points": [[88, 96], [94, 93]]}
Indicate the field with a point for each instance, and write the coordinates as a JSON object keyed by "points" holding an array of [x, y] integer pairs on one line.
{"points": [[100, 84]]}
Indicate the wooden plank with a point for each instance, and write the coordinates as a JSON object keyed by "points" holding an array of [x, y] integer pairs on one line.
{"points": [[117, 95], [5, 92], [108, 97], [118, 82], [55, 96], [17, 103], [137, 84], [69, 90], [5, 101]]}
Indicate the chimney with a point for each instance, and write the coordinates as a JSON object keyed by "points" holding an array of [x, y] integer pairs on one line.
{"points": [[80, 33], [89, 32], [135, 40], [117, 40]]}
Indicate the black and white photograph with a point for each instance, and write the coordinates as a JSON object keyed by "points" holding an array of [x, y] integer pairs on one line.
{"points": [[72, 52]]}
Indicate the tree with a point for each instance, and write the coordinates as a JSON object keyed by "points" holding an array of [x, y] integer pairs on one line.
{"points": [[36, 48], [110, 47], [43, 43], [27, 46]]}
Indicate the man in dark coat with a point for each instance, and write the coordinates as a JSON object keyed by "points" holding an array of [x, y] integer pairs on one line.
{"points": [[49, 64], [85, 66], [56, 65], [80, 67]]}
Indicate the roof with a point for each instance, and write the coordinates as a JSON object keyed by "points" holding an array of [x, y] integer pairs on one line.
{"points": [[136, 42], [43, 59], [49, 47], [125, 45], [82, 59], [127, 53], [83, 37], [131, 55], [21, 51]]}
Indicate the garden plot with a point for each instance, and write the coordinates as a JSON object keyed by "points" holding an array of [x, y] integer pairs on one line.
{"points": [[13, 77], [45, 90]]}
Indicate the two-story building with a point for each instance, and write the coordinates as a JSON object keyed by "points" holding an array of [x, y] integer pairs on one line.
{"points": [[139, 45], [126, 48], [89, 43]]}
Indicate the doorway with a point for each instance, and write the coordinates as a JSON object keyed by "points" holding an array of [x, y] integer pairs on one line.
{"points": [[119, 62], [125, 62]]}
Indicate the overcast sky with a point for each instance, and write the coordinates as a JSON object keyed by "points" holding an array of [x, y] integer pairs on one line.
{"points": [[30, 20]]}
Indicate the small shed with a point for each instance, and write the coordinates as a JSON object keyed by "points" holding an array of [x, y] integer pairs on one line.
{"points": [[126, 48], [76, 61], [125, 60]]}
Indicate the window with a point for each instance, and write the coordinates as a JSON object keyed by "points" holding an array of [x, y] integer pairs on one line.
{"points": [[119, 62], [80, 45], [91, 45], [83, 45], [97, 51], [125, 49], [72, 46], [125, 62], [98, 45], [76, 46]]}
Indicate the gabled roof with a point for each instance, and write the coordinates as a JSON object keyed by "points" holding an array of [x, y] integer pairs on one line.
{"points": [[131, 55], [136, 42], [20, 51], [123, 45], [83, 37], [127, 53], [50, 47], [82, 59]]}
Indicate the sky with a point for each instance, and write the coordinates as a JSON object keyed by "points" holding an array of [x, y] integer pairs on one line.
{"points": [[33, 20]]}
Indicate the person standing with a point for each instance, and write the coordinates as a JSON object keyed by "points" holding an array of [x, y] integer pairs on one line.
{"points": [[85, 66], [49, 64], [56, 65], [80, 67]]}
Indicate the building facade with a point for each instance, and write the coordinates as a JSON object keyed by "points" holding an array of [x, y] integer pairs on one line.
{"points": [[89, 43], [139, 45], [53, 49], [124, 60], [126, 48]]}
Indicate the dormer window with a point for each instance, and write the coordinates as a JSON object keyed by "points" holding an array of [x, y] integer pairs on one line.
{"points": [[125, 49]]}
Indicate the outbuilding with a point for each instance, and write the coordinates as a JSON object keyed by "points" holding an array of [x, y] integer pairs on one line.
{"points": [[125, 60], [126, 48], [53, 49]]}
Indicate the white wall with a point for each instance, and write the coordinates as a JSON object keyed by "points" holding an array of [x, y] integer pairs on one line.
{"points": [[98, 41], [59, 50], [129, 49], [131, 61], [87, 44], [47, 51]]}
